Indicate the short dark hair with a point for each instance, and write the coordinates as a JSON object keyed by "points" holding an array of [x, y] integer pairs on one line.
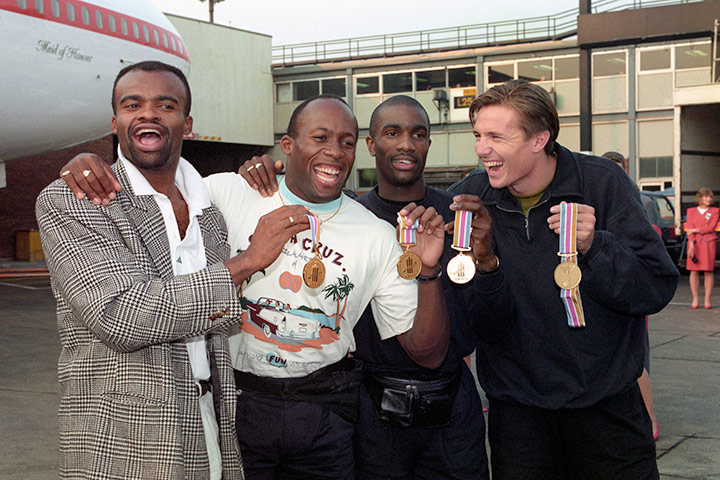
{"points": [[154, 66], [616, 157], [292, 129], [394, 101], [532, 102]]}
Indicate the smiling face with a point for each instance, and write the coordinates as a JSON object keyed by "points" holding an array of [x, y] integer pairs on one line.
{"points": [[706, 201], [322, 152], [510, 158], [149, 119], [400, 145]]}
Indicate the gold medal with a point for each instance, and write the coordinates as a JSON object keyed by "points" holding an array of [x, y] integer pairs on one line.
{"points": [[409, 265], [567, 275], [461, 268], [314, 272]]}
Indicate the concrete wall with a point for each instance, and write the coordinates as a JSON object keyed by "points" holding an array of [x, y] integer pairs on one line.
{"points": [[231, 82]]}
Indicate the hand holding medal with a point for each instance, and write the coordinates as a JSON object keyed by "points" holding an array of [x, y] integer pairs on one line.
{"points": [[421, 234]]}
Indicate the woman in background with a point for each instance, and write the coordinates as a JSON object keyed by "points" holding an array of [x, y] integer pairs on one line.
{"points": [[702, 240]]}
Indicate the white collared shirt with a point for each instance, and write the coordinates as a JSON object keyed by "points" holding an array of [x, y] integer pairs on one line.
{"points": [[187, 254]]}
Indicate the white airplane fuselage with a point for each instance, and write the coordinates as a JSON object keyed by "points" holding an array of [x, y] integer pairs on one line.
{"points": [[57, 73]]}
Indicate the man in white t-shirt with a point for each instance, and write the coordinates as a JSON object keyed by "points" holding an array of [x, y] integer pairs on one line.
{"points": [[299, 389]]}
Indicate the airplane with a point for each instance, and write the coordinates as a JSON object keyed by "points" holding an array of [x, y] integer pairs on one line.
{"points": [[59, 61]]}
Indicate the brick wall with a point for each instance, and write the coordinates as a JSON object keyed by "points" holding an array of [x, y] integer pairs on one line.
{"points": [[26, 177]]}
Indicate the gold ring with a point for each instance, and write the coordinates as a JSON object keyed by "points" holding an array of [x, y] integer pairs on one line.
{"points": [[250, 167], [65, 173], [258, 165], [86, 173], [291, 220]]}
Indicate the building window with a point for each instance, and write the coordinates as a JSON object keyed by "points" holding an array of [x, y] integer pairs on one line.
{"points": [[501, 73], [654, 167], [282, 93], [98, 19], [536, 70], [692, 56], [609, 64], [85, 15], [397, 82], [304, 90], [429, 79], [567, 68], [658, 59], [366, 85], [334, 86], [461, 77], [367, 177]]}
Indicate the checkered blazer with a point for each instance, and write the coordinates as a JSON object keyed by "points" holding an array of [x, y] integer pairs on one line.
{"points": [[129, 407]]}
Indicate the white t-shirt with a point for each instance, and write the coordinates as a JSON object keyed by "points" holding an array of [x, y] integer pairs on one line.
{"points": [[289, 329]]}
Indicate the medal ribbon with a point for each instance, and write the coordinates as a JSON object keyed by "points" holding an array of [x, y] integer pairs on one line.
{"points": [[407, 232], [461, 234], [568, 253], [314, 229]]}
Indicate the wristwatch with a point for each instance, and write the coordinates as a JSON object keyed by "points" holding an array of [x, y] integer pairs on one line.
{"points": [[487, 272]]}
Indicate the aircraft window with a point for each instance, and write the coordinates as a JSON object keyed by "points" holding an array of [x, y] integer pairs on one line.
{"points": [[136, 30], [124, 26], [39, 6], [156, 36], [112, 25], [70, 11], [172, 42], [98, 19], [146, 33], [165, 40], [55, 7], [85, 15], [180, 46], [22, 4]]}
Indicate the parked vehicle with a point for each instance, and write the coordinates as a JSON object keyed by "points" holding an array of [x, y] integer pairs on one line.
{"points": [[275, 317], [661, 212]]}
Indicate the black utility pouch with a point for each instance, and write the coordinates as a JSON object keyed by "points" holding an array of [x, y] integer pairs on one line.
{"points": [[434, 410], [396, 406]]}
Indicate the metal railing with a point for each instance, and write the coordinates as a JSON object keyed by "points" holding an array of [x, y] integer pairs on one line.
{"points": [[552, 27]]}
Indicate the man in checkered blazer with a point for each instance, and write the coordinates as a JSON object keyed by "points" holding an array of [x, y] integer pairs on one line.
{"points": [[145, 292]]}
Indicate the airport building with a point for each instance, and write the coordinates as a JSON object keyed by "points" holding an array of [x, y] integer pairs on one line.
{"points": [[632, 76]]}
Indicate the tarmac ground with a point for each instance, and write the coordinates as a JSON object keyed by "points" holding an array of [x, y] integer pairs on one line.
{"points": [[685, 374]]}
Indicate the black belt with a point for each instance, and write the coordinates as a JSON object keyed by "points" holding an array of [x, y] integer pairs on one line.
{"points": [[407, 402], [335, 387], [203, 387]]}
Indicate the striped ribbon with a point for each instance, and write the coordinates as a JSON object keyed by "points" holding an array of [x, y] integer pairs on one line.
{"points": [[568, 242], [407, 232], [461, 234], [314, 229]]}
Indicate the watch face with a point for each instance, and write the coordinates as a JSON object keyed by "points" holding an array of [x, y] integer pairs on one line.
{"points": [[461, 268]]}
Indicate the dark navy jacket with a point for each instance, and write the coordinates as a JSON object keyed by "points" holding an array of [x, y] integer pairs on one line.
{"points": [[626, 275]]}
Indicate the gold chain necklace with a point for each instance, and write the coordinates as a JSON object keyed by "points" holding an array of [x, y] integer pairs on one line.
{"points": [[321, 219]]}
